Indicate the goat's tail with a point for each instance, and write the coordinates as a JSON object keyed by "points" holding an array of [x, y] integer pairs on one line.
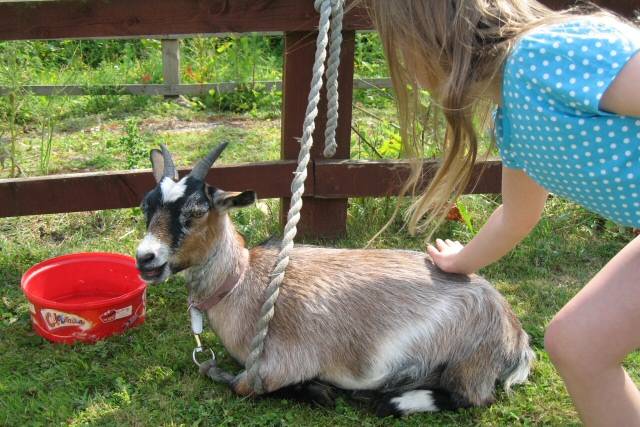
{"points": [[518, 372], [420, 400]]}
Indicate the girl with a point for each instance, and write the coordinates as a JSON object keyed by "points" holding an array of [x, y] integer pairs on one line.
{"points": [[567, 87]]}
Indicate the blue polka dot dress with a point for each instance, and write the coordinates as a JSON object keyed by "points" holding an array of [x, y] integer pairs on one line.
{"points": [[550, 125]]}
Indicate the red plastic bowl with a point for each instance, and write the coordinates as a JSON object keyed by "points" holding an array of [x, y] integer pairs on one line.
{"points": [[84, 297]]}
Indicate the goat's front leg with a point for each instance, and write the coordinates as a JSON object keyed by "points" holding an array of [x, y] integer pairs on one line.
{"points": [[238, 383], [313, 392]]}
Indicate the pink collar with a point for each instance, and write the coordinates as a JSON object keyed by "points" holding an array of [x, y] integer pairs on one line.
{"points": [[223, 290]]}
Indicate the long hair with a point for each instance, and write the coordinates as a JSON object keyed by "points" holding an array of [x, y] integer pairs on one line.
{"points": [[455, 50]]}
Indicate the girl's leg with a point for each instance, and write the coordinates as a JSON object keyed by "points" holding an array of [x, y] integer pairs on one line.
{"points": [[588, 339]]}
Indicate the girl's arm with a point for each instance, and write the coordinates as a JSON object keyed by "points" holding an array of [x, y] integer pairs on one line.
{"points": [[623, 95], [522, 204], [523, 199]]}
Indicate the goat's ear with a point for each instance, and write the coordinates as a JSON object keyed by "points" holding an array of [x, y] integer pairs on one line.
{"points": [[226, 200], [157, 164]]}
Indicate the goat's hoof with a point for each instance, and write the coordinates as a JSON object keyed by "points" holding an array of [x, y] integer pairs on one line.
{"points": [[220, 376], [321, 395], [205, 366], [211, 370], [314, 393]]}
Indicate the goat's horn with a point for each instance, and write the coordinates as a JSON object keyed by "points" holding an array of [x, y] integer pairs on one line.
{"points": [[201, 168], [169, 167]]}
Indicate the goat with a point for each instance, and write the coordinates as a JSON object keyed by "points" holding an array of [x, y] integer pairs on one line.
{"points": [[381, 322]]}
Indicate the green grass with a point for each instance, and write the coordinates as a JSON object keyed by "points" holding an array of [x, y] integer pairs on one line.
{"points": [[146, 376]]}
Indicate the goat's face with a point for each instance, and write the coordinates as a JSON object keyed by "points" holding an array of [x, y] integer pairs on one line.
{"points": [[184, 217]]}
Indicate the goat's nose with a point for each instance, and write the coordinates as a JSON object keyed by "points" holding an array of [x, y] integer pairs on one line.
{"points": [[145, 258]]}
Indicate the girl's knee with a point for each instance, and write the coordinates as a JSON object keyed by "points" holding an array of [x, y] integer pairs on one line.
{"points": [[554, 342], [566, 345], [575, 349]]}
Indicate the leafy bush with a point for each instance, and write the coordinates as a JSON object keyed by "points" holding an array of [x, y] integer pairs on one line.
{"points": [[247, 98], [132, 145], [92, 53]]}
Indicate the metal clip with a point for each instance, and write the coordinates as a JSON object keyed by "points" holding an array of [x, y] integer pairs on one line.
{"points": [[196, 327], [201, 350]]}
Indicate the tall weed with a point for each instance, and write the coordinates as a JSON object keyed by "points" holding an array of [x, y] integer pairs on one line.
{"points": [[15, 72], [133, 145]]}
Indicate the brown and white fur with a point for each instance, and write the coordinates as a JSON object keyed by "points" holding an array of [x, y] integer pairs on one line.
{"points": [[383, 322]]}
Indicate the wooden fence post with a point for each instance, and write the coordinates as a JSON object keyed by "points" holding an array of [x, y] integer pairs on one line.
{"points": [[325, 218], [171, 64]]}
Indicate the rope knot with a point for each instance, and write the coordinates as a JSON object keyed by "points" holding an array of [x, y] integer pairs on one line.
{"points": [[330, 150]]}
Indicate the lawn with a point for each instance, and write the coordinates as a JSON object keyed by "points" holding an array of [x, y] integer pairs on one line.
{"points": [[146, 376]]}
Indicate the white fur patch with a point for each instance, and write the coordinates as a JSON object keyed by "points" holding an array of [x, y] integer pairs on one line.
{"points": [[151, 245], [415, 401], [171, 190], [396, 347], [521, 373]]}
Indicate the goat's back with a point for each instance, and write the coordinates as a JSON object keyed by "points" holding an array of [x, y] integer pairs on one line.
{"points": [[359, 315], [387, 279]]}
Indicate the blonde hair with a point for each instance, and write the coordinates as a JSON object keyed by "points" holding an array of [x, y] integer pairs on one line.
{"points": [[455, 49]]}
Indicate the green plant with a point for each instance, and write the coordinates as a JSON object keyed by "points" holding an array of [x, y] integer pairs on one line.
{"points": [[14, 74], [249, 58], [466, 216], [134, 145], [48, 116], [247, 98], [46, 142], [369, 56], [15, 102], [4, 149], [131, 144], [392, 145]]}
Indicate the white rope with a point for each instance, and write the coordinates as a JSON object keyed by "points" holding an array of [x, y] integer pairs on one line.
{"points": [[328, 9], [330, 144]]}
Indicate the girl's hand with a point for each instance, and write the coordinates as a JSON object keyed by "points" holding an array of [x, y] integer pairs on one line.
{"points": [[446, 255]]}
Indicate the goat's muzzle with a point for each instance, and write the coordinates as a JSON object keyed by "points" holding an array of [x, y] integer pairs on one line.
{"points": [[152, 260], [153, 274]]}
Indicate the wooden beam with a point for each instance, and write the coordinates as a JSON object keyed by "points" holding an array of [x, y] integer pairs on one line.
{"points": [[326, 218], [334, 179], [71, 19], [383, 178], [167, 89], [112, 190], [171, 63]]}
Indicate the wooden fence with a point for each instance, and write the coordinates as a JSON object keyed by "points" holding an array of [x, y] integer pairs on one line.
{"points": [[330, 182]]}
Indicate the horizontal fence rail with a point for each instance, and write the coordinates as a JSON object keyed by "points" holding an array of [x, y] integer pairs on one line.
{"points": [[329, 179], [169, 89], [383, 178], [37, 20], [123, 189], [132, 18]]}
